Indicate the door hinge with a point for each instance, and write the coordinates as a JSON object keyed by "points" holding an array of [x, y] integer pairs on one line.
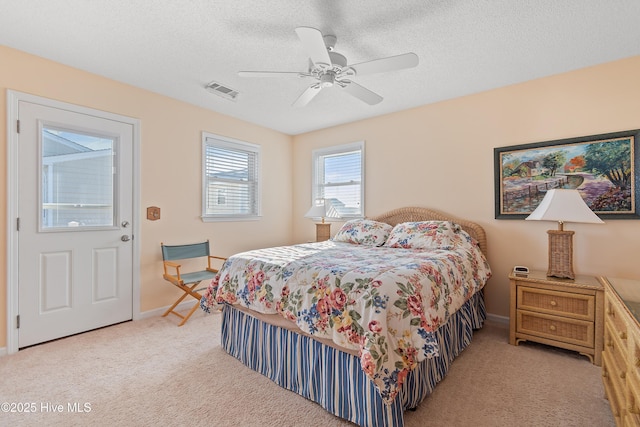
{"points": [[18, 321], [17, 224], [18, 126]]}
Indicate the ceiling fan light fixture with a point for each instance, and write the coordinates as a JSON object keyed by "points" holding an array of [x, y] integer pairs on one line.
{"points": [[327, 79]]}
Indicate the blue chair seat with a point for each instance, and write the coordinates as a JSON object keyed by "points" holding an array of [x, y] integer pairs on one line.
{"points": [[197, 276]]}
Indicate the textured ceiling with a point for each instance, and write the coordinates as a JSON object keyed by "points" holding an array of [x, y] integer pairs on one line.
{"points": [[464, 46]]}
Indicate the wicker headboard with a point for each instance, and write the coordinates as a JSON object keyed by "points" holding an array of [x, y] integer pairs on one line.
{"points": [[397, 216]]}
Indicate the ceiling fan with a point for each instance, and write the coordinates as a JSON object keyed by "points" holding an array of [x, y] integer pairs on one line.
{"points": [[330, 68]]}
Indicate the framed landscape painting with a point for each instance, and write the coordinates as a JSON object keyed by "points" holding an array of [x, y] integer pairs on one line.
{"points": [[603, 168]]}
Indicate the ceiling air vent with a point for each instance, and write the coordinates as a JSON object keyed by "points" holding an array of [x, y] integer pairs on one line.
{"points": [[223, 91]]}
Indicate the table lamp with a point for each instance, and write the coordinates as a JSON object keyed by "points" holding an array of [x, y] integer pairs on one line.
{"points": [[321, 210], [562, 206]]}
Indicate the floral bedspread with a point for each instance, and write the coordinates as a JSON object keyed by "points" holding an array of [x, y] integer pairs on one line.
{"points": [[384, 302]]}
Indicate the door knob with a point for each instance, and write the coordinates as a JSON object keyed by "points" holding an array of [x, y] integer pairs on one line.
{"points": [[125, 238]]}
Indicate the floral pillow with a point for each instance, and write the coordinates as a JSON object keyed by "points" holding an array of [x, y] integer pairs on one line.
{"points": [[363, 232], [424, 235]]}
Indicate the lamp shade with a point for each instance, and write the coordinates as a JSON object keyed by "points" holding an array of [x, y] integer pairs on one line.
{"points": [[322, 210], [316, 211], [564, 206]]}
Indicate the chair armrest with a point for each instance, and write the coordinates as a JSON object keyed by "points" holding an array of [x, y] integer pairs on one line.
{"points": [[172, 278], [214, 270]]}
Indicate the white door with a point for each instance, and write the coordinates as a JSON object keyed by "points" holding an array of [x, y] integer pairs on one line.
{"points": [[75, 194]]}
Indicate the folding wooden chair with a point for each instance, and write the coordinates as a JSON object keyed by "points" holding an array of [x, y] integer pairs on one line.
{"points": [[187, 282]]}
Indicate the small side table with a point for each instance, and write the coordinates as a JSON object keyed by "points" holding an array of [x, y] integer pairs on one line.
{"points": [[565, 313], [323, 231]]}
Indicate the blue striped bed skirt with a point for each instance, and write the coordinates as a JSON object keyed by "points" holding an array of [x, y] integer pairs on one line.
{"points": [[333, 378]]}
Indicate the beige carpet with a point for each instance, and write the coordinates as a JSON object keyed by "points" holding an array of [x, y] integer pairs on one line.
{"points": [[151, 373]]}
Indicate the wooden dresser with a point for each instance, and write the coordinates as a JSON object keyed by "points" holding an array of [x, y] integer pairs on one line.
{"points": [[621, 356], [563, 313]]}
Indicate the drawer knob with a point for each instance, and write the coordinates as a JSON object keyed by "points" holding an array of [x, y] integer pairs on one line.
{"points": [[623, 375], [552, 327], [553, 303], [605, 374], [633, 409], [610, 343], [623, 335], [637, 362], [611, 313]]}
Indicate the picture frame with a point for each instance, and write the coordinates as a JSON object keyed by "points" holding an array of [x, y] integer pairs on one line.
{"points": [[604, 168]]}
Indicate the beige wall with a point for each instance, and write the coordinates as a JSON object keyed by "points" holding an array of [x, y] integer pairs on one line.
{"points": [[170, 169], [441, 156], [438, 155]]}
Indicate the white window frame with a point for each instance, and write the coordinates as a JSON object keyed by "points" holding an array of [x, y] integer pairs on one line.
{"points": [[210, 139], [318, 156]]}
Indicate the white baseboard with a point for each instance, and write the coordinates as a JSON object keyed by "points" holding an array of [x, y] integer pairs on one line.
{"points": [[498, 319], [185, 305], [3, 351]]}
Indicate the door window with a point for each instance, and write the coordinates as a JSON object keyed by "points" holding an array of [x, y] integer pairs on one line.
{"points": [[77, 180]]}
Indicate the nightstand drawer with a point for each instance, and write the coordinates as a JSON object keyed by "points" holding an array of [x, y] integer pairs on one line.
{"points": [[577, 306], [558, 328]]}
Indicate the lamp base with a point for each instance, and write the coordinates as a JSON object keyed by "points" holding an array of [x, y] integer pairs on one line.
{"points": [[561, 254], [323, 231]]}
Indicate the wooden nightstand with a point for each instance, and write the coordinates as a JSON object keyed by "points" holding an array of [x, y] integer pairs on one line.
{"points": [[563, 313], [323, 231]]}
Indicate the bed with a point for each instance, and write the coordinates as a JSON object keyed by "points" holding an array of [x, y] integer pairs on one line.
{"points": [[365, 324]]}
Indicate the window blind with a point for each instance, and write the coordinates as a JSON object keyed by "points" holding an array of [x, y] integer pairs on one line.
{"points": [[231, 183], [339, 178]]}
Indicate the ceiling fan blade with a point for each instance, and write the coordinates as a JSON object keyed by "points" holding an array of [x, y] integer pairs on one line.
{"points": [[314, 45], [307, 95], [382, 65], [361, 93], [271, 74]]}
